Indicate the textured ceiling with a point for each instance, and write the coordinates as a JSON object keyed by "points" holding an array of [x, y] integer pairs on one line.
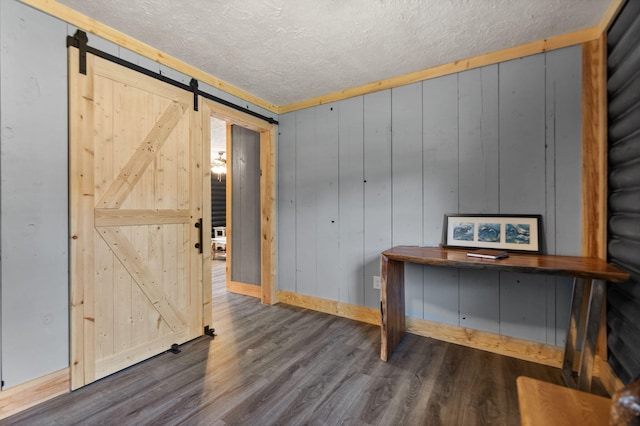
{"points": [[285, 51]]}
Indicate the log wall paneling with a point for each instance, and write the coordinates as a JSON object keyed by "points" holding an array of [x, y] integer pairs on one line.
{"points": [[623, 301], [218, 201]]}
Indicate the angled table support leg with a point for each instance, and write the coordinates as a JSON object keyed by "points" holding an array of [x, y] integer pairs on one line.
{"points": [[572, 331], [592, 326], [392, 311]]}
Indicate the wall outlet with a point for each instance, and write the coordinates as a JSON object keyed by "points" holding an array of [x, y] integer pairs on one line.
{"points": [[376, 282]]}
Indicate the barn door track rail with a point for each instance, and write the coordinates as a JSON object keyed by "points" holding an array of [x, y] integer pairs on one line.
{"points": [[80, 40]]}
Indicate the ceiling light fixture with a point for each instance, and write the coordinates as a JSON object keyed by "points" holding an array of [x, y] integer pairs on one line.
{"points": [[219, 165]]}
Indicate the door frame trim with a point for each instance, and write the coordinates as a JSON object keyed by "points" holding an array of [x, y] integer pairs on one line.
{"points": [[268, 239]]}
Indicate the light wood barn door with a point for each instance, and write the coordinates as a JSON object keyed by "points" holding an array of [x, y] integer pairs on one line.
{"points": [[136, 190]]}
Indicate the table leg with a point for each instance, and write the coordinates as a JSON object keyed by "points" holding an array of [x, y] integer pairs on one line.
{"points": [[592, 326], [572, 331], [392, 311]]}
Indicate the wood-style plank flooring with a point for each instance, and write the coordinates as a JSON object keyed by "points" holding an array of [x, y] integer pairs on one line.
{"points": [[283, 365]]}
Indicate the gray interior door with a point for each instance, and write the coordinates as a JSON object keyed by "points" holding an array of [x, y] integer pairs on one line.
{"points": [[245, 206]]}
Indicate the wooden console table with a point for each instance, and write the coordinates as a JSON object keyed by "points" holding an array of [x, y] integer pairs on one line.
{"points": [[590, 276]]}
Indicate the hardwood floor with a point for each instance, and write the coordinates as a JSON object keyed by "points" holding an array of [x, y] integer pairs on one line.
{"points": [[286, 365]]}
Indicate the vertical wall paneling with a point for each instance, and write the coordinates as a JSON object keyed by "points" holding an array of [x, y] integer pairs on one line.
{"points": [[287, 203], [327, 199], [351, 202], [34, 203], [623, 300], [479, 144], [562, 223], [306, 202], [406, 169], [472, 142], [245, 201], [522, 186], [377, 188], [478, 188], [440, 185]]}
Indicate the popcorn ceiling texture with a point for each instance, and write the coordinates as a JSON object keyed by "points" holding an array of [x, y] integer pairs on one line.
{"points": [[285, 51]]}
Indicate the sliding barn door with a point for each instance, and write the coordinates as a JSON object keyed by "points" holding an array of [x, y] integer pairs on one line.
{"points": [[136, 189]]}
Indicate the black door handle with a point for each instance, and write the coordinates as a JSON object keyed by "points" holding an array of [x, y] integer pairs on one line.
{"points": [[199, 243]]}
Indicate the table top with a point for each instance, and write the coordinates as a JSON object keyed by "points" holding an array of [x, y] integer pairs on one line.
{"points": [[543, 403], [571, 266]]}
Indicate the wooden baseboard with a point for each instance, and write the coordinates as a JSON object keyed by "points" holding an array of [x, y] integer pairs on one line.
{"points": [[504, 345], [21, 397], [345, 310], [244, 289]]}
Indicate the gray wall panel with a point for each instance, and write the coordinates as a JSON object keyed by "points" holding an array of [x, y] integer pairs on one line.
{"points": [[479, 144], [523, 306], [306, 212], [327, 199], [287, 203], [479, 187], [245, 201], [440, 155], [351, 183], [523, 301], [440, 185], [33, 177], [377, 189], [563, 224], [406, 167]]}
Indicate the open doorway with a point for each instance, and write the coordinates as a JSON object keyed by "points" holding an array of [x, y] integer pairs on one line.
{"points": [[253, 168]]}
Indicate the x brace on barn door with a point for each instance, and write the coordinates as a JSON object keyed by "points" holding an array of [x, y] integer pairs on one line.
{"points": [[79, 40]]}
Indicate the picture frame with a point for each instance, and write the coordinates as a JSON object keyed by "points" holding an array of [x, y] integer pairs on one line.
{"points": [[516, 232]]}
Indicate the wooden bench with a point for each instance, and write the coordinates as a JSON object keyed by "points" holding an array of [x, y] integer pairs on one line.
{"points": [[544, 404]]}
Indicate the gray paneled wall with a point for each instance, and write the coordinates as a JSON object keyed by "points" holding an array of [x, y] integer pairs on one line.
{"points": [[504, 138]]}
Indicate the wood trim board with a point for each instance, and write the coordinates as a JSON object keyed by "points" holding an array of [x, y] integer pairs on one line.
{"points": [[503, 345], [26, 395]]}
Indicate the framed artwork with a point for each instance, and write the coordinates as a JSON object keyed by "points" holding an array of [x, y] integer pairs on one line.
{"points": [[495, 231]]}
